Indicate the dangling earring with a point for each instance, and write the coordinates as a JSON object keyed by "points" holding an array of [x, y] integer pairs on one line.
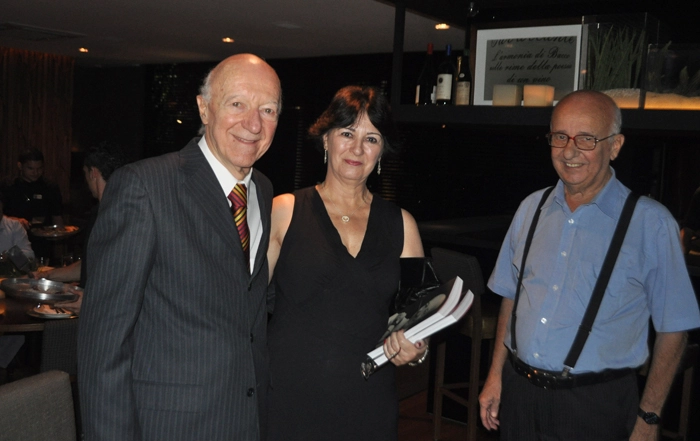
{"points": [[325, 156], [379, 166]]}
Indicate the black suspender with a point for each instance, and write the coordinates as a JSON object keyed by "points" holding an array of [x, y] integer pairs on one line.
{"points": [[599, 289], [528, 242]]}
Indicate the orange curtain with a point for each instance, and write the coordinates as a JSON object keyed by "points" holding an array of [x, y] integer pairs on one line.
{"points": [[36, 106]]}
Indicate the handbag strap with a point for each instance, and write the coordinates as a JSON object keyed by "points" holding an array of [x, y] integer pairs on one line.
{"points": [[528, 242], [589, 316]]}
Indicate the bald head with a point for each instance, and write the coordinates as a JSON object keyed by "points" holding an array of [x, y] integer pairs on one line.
{"points": [[593, 101], [239, 64], [592, 116], [239, 106]]}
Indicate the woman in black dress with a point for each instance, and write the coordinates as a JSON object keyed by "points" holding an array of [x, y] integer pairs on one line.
{"points": [[334, 250]]}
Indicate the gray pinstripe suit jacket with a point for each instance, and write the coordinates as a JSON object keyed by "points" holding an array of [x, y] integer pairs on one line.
{"points": [[172, 340]]}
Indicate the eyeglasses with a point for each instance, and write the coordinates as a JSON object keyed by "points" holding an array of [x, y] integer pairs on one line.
{"points": [[582, 142]]}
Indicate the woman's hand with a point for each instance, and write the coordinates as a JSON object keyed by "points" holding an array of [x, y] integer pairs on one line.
{"points": [[400, 351]]}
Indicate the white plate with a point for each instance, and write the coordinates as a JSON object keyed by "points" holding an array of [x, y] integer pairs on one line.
{"points": [[47, 312]]}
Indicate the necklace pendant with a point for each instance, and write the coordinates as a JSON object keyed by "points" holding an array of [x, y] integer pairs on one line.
{"points": [[345, 219]]}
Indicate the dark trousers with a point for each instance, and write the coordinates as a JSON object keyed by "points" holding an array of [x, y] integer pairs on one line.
{"points": [[600, 412]]}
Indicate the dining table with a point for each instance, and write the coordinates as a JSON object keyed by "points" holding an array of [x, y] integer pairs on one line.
{"points": [[17, 313]]}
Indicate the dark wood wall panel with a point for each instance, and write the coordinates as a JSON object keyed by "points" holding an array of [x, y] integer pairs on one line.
{"points": [[36, 102]]}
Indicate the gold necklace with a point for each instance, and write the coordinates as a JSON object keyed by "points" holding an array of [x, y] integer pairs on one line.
{"points": [[344, 217]]}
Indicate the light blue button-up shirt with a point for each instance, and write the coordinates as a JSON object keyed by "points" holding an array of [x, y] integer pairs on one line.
{"points": [[649, 279]]}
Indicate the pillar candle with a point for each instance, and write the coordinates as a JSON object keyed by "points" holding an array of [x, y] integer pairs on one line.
{"points": [[507, 95], [538, 95]]}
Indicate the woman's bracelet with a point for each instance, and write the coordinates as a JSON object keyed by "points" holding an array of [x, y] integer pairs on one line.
{"points": [[420, 360]]}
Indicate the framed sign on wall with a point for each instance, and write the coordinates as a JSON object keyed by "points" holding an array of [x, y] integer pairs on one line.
{"points": [[548, 55]]}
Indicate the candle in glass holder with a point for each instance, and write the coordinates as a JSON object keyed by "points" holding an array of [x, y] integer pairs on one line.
{"points": [[507, 95], [538, 95]]}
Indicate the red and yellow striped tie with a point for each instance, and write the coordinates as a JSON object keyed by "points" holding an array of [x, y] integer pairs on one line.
{"points": [[239, 207]]}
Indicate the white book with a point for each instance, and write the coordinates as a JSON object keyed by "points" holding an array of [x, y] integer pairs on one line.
{"points": [[452, 310], [443, 302]]}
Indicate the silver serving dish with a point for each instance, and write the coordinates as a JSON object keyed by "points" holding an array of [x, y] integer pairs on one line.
{"points": [[39, 290], [54, 231]]}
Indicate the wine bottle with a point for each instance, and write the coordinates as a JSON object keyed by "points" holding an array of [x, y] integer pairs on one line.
{"points": [[425, 87], [445, 78], [464, 80]]}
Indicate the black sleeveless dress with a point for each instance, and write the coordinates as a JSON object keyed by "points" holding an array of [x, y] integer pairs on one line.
{"points": [[330, 310]]}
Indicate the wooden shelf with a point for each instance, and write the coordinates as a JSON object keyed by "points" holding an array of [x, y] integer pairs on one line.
{"points": [[681, 122], [685, 123]]}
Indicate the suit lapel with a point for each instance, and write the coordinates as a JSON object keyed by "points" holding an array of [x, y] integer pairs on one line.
{"points": [[263, 205]]}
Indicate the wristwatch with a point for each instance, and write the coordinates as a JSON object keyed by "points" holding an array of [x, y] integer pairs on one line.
{"points": [[649, 417]]}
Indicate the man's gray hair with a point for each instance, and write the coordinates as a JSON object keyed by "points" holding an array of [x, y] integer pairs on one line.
{"points": [[617, 120], [205, 88], [205, 92]]}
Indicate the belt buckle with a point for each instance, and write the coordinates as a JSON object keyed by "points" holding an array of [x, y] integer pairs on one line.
{"points": [[545, 380]]}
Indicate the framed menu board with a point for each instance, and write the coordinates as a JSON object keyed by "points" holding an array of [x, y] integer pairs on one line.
{"points": [[530, 55]]}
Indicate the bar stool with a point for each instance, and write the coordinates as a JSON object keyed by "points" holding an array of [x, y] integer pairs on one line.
{"points": [[479, 325]]}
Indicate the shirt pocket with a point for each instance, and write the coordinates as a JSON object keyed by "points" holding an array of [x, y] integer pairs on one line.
{"points": [[584, 280]]}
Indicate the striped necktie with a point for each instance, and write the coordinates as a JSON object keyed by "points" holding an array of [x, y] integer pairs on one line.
{"points": [[239, 207]]}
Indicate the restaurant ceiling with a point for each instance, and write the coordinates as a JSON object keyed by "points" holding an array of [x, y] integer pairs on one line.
{"points": [[126, 32]]}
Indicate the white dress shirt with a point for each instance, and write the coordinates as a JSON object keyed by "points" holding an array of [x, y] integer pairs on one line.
{"points": [[13, 233]]}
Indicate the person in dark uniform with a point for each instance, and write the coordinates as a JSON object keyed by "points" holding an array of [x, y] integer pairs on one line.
{"points": [[30, 199]]}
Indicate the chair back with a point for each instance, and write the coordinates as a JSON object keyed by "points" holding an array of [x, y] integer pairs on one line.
{"points": [[448, 264], [37, 408]]}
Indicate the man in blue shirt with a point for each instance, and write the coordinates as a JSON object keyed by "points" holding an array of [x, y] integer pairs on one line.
{"points": [[528, 394]]}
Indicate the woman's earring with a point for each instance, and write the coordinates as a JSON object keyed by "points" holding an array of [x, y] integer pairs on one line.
{"points": [[379, 166], [325, 156]]}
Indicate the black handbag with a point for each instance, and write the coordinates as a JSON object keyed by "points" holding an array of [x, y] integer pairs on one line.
{"points": [[418, 279]]}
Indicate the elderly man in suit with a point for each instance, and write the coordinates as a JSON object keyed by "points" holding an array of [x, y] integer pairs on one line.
{"points": [[172, 341]]}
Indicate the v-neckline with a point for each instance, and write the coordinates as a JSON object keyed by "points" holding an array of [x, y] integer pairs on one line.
{"points": [[329, 224]]}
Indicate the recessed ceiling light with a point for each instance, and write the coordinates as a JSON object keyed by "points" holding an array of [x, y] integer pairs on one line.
{"points": [[442, 26], [83, 50], [227, 40]]}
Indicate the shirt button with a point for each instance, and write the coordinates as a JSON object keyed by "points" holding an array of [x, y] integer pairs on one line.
{"points": [[252, 338], [536, 355], [543, 320], [555, 288], [251, 392], [571, 221], [563, 253]]}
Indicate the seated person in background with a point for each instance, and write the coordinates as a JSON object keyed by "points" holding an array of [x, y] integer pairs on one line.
{"points": [[12, 233], [30, 199], [691, 226], [98, 166]]}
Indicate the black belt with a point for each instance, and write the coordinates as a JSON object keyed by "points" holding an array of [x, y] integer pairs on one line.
{"points": [[555, 380]]}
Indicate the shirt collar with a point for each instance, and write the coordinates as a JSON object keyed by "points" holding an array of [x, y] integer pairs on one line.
{"points": [[605, 200], [225, 178]]}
